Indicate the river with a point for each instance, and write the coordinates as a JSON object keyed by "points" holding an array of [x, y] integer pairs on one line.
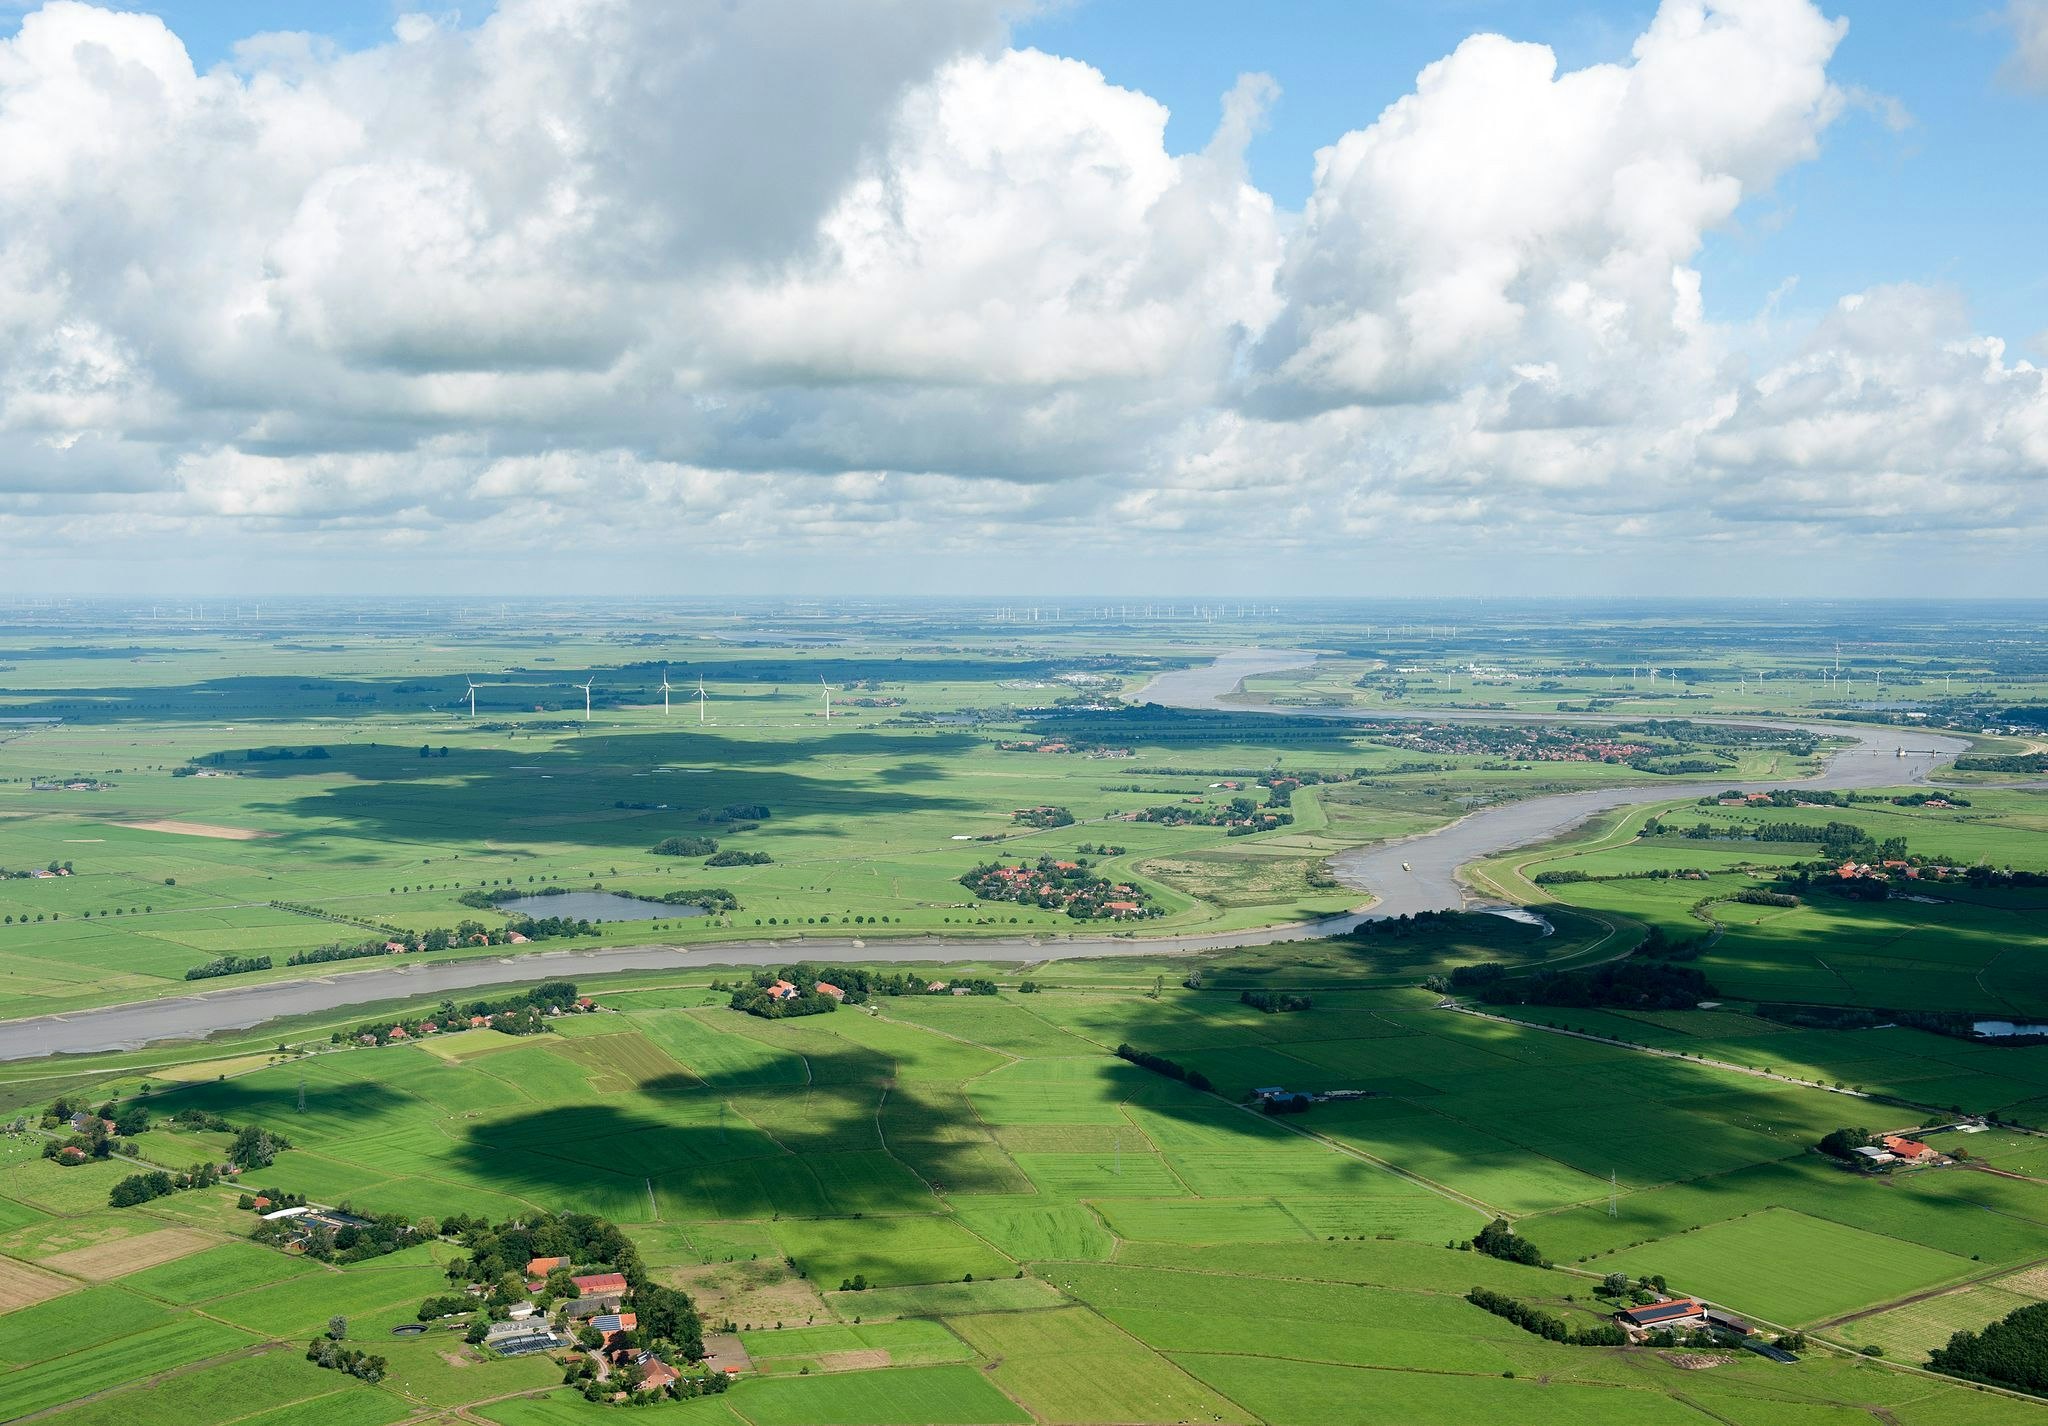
{"points": [[1415, 874]]}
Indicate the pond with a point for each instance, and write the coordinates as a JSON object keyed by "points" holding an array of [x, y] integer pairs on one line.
{"points": [[2001, 1029], [597, 906]]}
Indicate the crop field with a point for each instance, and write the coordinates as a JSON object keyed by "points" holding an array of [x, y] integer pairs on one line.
{"points": [[1794, 1268], [1916, 1328], [968, 1209], [1031, 1210]]}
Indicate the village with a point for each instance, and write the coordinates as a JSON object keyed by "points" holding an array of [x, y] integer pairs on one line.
{"points": [[1060, 885], [594, 1322]]}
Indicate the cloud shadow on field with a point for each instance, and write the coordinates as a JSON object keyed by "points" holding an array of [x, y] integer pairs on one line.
{"points": [[603, 792]]}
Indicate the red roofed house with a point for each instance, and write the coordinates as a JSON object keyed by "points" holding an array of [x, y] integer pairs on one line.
{"points": [[826, 987], [1907, 1148], [513, 938], [782, 990], [394, 947], [615, 1325], [1668, 1313], [594, 1284], [541, 1267], [656, 1374], [398, 1032]]}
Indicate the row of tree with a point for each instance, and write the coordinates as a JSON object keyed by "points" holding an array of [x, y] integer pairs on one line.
{"points": [[526, 1013], [1159, 1064], [1547, 1325]]}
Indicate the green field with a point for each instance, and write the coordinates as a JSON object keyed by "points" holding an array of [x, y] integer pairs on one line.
{"points": [[1044, 1232]]}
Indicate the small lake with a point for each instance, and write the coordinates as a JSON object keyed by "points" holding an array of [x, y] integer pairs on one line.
{"points": [[1999, 1029], [596, 906]]}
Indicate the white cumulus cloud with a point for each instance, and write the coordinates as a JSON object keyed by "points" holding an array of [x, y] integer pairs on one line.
{"points": [[806, 281]]}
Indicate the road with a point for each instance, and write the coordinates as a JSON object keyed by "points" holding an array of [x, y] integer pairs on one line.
{"points": [[1427, 881]]}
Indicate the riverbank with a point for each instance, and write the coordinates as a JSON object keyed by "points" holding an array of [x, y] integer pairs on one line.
{"points": [[1418, 873]]}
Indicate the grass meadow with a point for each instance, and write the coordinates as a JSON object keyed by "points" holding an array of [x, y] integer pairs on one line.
{"points": [[1045, 1232]]}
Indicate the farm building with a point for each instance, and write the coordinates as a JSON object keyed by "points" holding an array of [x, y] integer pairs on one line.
{"points": [[1874, 1155], [593, 1304], [1274, 1097], [1911, 1150], [520, 1339], [591, 1283], [1671, 1312]]}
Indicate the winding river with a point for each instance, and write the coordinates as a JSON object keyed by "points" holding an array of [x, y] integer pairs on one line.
{"points": [[1415, 874]]}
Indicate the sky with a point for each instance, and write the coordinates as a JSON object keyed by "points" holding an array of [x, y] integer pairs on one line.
{"points": [[1097, 296]]}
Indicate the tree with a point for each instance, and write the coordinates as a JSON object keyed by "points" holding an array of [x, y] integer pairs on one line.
{"points": [[1614, 1284], [1840, 1142], [254, 1147], [139, 1188], [337, 1328], [1498, 1240], [668, 1315]]}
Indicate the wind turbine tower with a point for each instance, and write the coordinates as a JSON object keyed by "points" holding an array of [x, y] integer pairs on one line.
{"points": [[700, 698], [828, 697], [664, 693], [472, 695], [585, 686]]}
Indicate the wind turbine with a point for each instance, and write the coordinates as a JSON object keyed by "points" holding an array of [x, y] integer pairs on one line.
{"points": [[828, 697], [472, 694], [664, 693], [700, 698], [585, 686]]}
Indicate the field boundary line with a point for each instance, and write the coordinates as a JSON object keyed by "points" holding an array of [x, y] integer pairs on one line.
{"points": [[1463, 1009], [1945, 1290], [257, 1349], [1463, 1200]]}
